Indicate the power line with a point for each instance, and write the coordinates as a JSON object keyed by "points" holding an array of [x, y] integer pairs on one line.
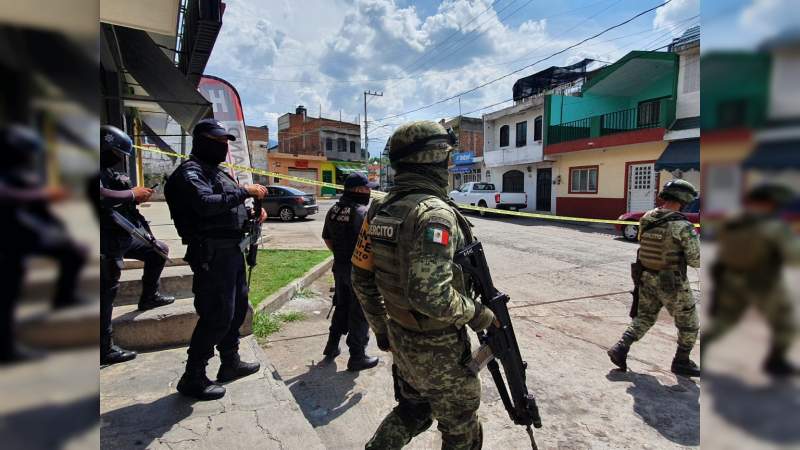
{"points": [[606, 30]]}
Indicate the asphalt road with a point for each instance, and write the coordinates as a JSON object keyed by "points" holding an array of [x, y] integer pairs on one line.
{"points": [[583, 402]]}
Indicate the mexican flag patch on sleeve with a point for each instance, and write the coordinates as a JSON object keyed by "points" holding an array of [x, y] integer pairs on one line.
{"points": [[437, 235]]}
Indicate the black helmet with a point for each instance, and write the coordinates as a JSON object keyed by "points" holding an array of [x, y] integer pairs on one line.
{"points": [[112, 139], [18, 145]]}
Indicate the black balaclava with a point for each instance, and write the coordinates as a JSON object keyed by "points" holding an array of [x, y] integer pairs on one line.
{"points": [[436, 172], [209, 150], [362, 198], [109, 159]]}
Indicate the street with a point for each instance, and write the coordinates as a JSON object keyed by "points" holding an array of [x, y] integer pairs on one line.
{"points": [[553, 267]]}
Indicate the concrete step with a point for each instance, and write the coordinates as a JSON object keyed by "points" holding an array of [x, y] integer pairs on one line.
{"points": [[167, 326], [41, 277], [139, 408], [40, 327], [175, 280], [172, 261]]}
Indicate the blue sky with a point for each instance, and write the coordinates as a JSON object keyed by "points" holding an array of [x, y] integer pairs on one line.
{"points": [[325, 53]]}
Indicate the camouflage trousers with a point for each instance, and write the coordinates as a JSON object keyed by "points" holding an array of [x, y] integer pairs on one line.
{"points": [[672, 291], [736, 294], [431, 382]]}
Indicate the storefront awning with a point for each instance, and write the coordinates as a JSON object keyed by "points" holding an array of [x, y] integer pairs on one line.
{"points": [[347, 167], [775, 155], [680, 155], [157, 75]]}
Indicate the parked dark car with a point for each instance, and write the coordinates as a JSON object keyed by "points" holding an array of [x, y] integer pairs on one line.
{"points": [[287, 203], [631, 232]]}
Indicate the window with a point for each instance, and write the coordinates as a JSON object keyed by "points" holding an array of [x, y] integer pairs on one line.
{"points": [[474, 175], [513, 181], [341, 145], [537, 129], [522, 134], [483, 187], [648, 114], [328, 144], [504, 136], [732, 113], [352, 146], [583, 180]]}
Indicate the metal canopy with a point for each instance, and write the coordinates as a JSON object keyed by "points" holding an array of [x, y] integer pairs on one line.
{"points": [[680, 155], [159, 78], [775, 155]]}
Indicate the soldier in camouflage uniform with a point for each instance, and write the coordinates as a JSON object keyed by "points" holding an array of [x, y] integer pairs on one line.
{"points": [[414, 296], [753, 277], [668, 243]]}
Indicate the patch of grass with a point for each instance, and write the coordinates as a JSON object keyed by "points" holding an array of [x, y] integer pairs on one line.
{"points": [[277, 268], [266, 324], [305, 293]]}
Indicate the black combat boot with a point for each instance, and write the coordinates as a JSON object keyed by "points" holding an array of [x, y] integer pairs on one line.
{"points": [[332, 347], [682, 365], [361, 362], [233, 368], [619, 352], [777, 365], [116, 355], [154, 301], [194, 383]]}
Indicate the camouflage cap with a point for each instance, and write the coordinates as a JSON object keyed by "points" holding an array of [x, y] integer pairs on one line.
{"points": [[771, 192], [422, 142], [680, 190]]}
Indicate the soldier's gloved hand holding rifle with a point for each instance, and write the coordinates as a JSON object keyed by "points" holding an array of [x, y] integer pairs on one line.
{"points": [[492, 322]]}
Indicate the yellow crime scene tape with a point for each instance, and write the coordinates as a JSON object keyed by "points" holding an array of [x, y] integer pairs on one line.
{"points": [[380, 194]]}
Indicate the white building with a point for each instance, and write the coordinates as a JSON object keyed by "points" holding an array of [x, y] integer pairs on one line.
{"points": [[513, 157]]}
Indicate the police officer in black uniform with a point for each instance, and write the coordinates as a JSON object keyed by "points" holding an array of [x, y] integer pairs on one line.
{"points": [[340, 232], [117, 194], [207, 207], [30, 228]]}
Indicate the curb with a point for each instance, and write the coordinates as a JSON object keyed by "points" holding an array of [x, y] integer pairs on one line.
{"points": [[275, 301]]}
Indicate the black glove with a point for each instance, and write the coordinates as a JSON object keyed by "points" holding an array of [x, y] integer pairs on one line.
{"points": [[383, 342]]}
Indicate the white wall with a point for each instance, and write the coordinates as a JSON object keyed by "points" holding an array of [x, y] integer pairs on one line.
{"points": [[495, 156], [529, 181], [688, 104], [784, 98]]}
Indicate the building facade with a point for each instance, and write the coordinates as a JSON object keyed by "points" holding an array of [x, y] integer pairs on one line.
{"points": [[466, 161], [258, 142], [606, 140], [514, 160]]}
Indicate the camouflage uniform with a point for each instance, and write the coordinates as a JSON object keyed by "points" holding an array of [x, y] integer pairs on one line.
{"points": [[754, 278], [669, 288], [668, 244], [413, 295]]}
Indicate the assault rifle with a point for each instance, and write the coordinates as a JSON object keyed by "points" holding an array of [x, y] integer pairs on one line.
{"points": [[138, 232], [253, 238], [499, 342]]}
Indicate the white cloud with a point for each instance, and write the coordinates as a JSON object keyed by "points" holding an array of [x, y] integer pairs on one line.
{"points": [[767, 18], [323, 41], [668, 17]]}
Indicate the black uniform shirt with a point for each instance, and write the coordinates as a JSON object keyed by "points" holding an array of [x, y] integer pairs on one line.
{"points": [[342, 224]]}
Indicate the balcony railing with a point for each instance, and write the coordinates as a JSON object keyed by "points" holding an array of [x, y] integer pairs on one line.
{"points": [[648, 115]]}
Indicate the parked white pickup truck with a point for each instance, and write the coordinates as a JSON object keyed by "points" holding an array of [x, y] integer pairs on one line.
{"points": [[486, 196]]}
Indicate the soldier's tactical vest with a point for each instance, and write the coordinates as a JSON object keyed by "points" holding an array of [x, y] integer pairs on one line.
{"points": [[392, 235], [739, 235], [657, 249]]}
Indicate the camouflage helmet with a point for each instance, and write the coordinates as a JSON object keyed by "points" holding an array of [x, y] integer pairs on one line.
{"points": [[422, 142], [678, 190], [771, 192]]}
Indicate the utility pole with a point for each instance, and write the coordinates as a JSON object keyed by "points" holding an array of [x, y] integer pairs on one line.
{"points": [[366, 127]]}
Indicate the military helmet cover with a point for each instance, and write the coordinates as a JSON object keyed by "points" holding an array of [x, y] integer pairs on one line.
{"points": [[112, 139], [680, 190], [421, 142], [771, 192]]}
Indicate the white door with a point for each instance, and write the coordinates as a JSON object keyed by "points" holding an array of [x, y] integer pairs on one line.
{"points": [[641, 187]]}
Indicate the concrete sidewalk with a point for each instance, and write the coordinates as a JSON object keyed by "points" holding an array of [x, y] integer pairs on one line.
{"points": [[140, 408]]}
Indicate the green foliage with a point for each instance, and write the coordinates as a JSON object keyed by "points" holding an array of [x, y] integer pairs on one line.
{"points": [[266, 324], [277, 268]]}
